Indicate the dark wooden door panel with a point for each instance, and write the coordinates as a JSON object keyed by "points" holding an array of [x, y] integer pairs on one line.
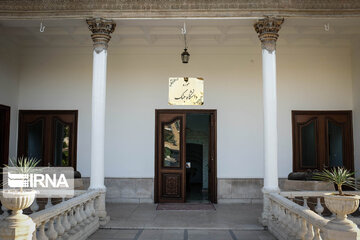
{"points": [[171, 185], [4, 134], [49, 135], [171, 157], [324, 136]]}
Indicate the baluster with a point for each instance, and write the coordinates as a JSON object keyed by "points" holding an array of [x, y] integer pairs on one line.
{"points": [[303, 229], [305, 205], [58, 226], [82, 213], [5, 211], [319, 208], [48, 204], [275, 213], [282, 217], [295, 225], [273, 209], [291, 227], [92, 207], [41, 233], [66, 222], [87, 212], [51, 233], [288, 221], [310, 232], [73, 221], [34, 206], [78, 216]]}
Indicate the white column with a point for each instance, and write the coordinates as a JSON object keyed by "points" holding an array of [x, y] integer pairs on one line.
{"points": [[267, 30], [98, 119], [101, 30], [270, 121]]}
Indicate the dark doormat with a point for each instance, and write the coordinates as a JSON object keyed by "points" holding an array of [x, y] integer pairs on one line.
{"points": [[186, 206]]}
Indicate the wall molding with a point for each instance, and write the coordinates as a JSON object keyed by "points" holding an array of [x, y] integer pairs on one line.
{"points": [[52, 9]]}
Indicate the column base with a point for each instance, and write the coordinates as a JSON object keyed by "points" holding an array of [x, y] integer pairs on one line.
{"points": [[265, 215], [100, 207]]}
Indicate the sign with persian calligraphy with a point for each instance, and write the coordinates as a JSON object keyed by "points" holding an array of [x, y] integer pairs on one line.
{"points": [[186, 91]]}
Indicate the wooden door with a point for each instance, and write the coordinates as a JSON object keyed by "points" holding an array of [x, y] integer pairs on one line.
{"points": [[4, 134], [170, 157], [49, 136], [338, 141], [322, 140]]}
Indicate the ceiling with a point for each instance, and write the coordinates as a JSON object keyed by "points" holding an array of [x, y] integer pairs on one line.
{"points": [[167, 32]]}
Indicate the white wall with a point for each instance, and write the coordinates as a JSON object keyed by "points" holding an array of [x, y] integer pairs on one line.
{"points": [[308, 78], [9, 69], [311, 79]]}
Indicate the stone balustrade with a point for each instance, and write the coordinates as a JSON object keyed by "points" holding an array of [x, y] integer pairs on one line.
{"points": [[291, 217], [75, 218], [314, 200], [40, 204]]}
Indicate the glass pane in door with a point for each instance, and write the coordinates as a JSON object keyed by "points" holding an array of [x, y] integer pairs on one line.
{"points": [[35, 140], [171, 148], [61, 149], [308, 145], [335, 148]]}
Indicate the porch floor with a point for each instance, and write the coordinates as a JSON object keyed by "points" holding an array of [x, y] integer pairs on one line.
{"points": [[144, 222]]}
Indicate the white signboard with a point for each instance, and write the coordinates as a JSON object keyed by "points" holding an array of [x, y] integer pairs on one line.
{"points": [[186, 91]]}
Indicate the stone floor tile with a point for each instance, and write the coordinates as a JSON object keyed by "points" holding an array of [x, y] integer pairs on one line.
{"points": [[209, 235], [253, 235], [162, 235], [113, 234]]}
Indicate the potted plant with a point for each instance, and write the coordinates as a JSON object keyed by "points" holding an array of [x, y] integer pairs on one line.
{"points": [[340, 203], [18, 225]]}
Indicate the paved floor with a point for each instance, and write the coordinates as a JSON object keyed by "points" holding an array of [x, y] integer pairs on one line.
{"points": [[144, 222], [204, 234]]}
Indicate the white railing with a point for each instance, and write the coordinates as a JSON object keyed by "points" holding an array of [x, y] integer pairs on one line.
{"points": [[75, 218], [40, 204], [291, 217]]}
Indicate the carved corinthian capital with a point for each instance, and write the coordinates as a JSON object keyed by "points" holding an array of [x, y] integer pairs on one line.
{"points": [[267, 30], [101, 30]]}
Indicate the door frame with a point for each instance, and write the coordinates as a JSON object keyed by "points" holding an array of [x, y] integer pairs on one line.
{"points": [[5, 158], [212, 149]]}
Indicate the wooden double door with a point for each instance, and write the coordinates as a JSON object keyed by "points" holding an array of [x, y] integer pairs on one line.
{"points": [[49, 136], [170, 155], [322, 140]]}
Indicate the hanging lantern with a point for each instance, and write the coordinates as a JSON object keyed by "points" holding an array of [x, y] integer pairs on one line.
{"points": [[185, 56]]}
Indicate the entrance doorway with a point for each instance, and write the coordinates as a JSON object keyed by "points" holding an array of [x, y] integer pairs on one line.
{"points": [[4, 134], [185, 161]]}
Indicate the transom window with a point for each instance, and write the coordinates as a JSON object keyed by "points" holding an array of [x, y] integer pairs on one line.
{"points": [[322, 139]]}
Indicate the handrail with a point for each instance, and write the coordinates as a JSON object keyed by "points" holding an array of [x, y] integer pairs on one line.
{"points": [[307, 214], [46, 214], [293, 194]]}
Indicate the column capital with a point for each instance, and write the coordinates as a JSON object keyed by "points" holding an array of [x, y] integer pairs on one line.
{"points": [[267, 30], [101, 30]]}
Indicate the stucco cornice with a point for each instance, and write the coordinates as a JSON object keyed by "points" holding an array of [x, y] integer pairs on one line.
{"points": [[176, 8]]}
